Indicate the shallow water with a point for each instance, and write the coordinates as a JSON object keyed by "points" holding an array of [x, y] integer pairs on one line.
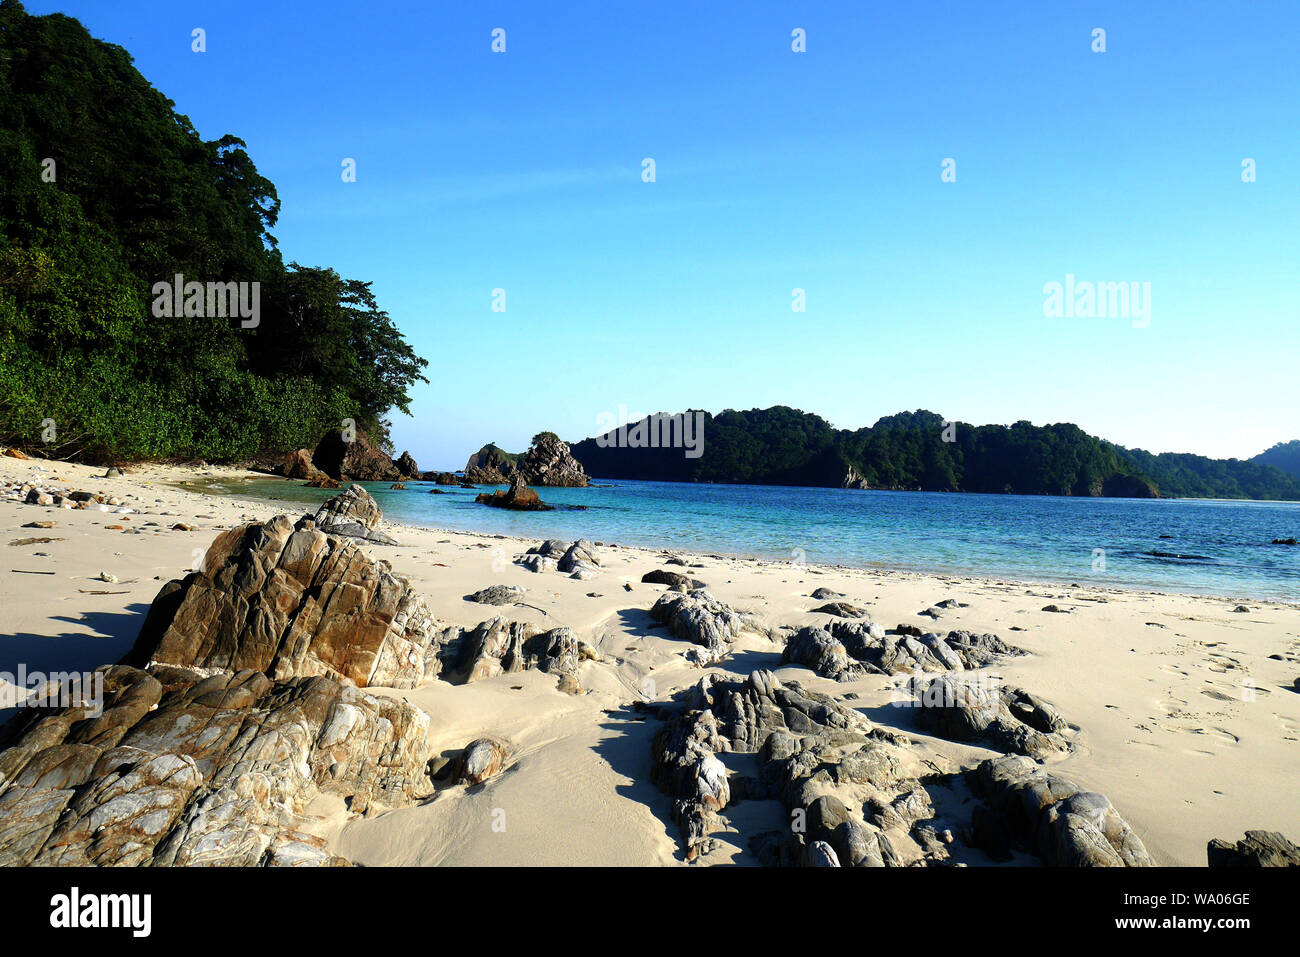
{"points": [[1179, 545]]}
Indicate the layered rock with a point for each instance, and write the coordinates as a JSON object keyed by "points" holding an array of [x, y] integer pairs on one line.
{"points": [[1028, 808], [288, 600], [359, 460], [184, 770]]}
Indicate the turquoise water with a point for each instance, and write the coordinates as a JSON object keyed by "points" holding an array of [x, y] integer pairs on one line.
{"points": [[1210, 547]]}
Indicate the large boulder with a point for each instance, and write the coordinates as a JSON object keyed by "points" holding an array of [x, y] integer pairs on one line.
{"points": [[491, 465], [702, 620], [354, 514], [288, 600], [359, 460], [1028, 808], [977, 710], [181, 769]]}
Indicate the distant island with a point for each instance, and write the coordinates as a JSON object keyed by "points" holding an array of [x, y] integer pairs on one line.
{"points": [[923, 451]]}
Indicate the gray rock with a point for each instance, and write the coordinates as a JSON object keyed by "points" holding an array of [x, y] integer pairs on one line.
{"points": [[497, 595]]}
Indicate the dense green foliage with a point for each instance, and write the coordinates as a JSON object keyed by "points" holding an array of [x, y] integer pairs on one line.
{"points": [[917, 450], [133, 197], [1284, 455]]}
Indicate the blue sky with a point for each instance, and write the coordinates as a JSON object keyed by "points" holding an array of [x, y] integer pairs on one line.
{"points": [[776, 170]]}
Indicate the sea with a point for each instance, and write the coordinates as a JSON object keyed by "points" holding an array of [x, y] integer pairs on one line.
{"points": [[1193, 546]]}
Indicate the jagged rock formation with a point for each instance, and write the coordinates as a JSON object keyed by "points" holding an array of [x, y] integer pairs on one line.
{"points": [[185, 770], [1030, 809], [853, 480], [354, 514], [548, 462], [460, 656], [359, 460], [1257, 849], [518, 497], [821, 760], [1008, 719], [289, 600], [845, 650], [702, 620], [406, 465], [577, 559]]}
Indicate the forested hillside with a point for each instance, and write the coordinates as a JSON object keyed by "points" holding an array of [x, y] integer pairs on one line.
{"points": [[105, 191], [919, 450]]}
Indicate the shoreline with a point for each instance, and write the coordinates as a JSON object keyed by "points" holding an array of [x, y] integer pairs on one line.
{"points": [[1184, 711], [821, 567]]}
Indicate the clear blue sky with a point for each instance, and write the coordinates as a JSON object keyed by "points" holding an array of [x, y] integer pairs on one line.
{"points": [[779, 170]]}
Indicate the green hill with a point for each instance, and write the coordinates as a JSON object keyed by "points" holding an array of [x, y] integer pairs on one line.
{"points": [[106, 191], [920, 450]]}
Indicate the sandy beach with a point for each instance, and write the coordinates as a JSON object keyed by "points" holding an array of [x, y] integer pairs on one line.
{"points": [[1185, 714]]}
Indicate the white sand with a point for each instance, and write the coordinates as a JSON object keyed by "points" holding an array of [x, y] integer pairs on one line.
{"points": [[1190, 729]]}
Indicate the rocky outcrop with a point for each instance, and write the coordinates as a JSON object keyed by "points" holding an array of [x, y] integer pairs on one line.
{"points": [[464, 655], [354, 514], [1007, 719], [549, 463], [406, 465], [289, 600], [866, 648], [518, 497], [853, 480], [1033, 810], [702, 620], [851, 789], [1257, 849], [299, 465], [439, 478], [185, 770], [359, 460]]}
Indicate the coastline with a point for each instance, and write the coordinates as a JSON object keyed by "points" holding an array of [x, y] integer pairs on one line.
{"points": [[1157, 683]]}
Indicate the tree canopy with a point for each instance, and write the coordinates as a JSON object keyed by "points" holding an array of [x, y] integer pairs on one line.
{"points": [[105, 191], [922, 450]]}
